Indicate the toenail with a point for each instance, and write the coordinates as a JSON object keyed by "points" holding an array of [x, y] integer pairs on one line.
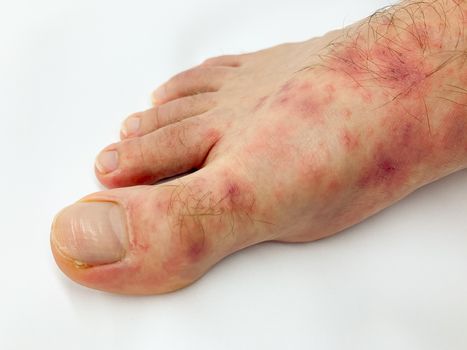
{"points": [[91, 233], [131, 126], [107, 162]]}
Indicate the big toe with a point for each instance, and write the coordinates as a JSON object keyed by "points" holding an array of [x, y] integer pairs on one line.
{"points": [[91, 233], [153, 239]]}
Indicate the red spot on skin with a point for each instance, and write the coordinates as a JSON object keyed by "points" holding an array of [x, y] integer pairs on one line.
{"points": [[190, 242], [286, 87], [238, 196], [366, 96], [284, 100], [301, 99], [349, 140], [347, 113], [330, 89], [309, 107], [334, 186], [195, 250], [405, 146], [233, 193], [305, 86], [232, 189], [384, 171], [280, 193], [313, 167], [312, 172]]}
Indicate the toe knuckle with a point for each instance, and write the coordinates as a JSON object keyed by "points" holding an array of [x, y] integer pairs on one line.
{"points": [[179, 134], [188, 208], [163, 115], [187, 75], [157, 116]]}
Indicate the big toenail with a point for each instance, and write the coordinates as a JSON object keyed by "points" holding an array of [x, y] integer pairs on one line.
{"points": [[91, 233], [131, 126], [107, 162]]}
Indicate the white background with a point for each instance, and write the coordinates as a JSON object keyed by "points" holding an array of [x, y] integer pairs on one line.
{"points": [[70, 71]]}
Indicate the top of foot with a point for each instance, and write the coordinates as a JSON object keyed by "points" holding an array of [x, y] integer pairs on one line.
{"points": [[292, 143]]}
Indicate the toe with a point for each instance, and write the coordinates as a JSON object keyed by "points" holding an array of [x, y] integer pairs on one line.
{"points": [[224, 61], [154, 239], [142, 123], [193, 81], [171, 150]]}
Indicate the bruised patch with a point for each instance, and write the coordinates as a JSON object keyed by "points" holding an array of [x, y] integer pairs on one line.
{"points": [[385, 170], [200, 212], [405, 146], [366, 96]]}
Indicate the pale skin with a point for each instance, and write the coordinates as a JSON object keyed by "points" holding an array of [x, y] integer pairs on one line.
{"points": [[294, 143]]}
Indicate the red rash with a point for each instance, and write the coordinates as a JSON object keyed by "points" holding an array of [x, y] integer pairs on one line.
{"points": [[238, 196], [309, 107], [303, 100], [411, 139], [404, 147], [196, 249], [286, 87], [400, 72], [349, 140], [334, 186], [384, 170]]}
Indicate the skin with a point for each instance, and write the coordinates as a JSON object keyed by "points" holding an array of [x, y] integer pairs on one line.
{"points": [[294, 143]]}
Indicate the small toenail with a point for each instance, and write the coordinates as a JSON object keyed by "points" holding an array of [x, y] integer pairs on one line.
{"points": [[107, 162], [91, 233], [131, 126]]}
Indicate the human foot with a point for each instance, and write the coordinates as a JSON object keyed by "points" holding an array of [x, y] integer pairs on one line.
{"points": [[293, 143]]}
